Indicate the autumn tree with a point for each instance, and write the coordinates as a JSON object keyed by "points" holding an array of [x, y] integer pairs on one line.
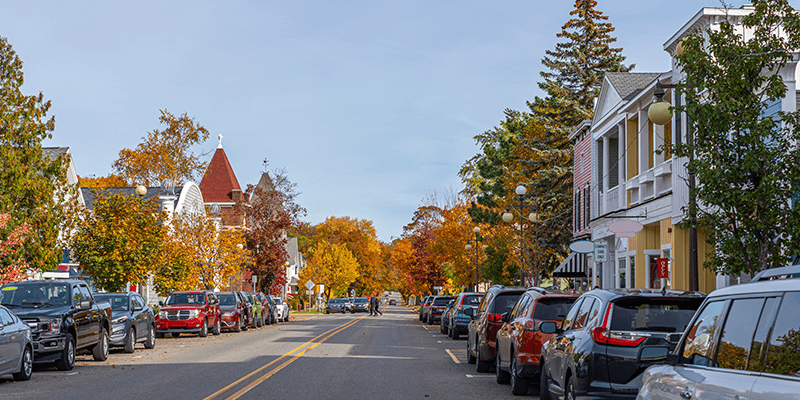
{"points": [[35, 194], [121, 240], [14, 270], [745, 154], [332, 265], [165, 154], [111, 180]]}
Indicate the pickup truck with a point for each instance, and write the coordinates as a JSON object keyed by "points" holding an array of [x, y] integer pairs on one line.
{"points": [[191, 311], [63, 316]]}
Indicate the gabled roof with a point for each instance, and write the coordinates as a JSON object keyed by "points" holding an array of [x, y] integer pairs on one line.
{"points": [[219, 181], [152, 192], [629, 84]]}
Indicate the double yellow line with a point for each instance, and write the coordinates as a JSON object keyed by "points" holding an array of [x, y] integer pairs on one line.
{"points": [[300, 350]]}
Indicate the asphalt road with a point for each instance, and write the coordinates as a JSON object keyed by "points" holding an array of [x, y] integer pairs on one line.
{"points": [[342, 356]]}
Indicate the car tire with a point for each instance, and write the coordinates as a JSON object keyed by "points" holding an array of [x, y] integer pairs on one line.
{"points": [[286, 318], [218, 327], [176, 334], [544, 392], [454, 334], [130, 344], [100, 350], [26, 366], [502, 377], [67, 360], [151, 338], [254, 323], [204, 330], [480, 365], [470, 358], [519, 386], [238, 325]]}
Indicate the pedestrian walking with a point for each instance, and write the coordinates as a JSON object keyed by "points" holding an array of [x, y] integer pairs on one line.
{"points": [[371, 312], [374, 302]]}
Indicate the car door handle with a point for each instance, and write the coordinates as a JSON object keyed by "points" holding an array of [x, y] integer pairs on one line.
{"points": [[686, 394]]}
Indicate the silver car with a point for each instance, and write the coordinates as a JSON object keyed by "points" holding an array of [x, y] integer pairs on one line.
{"points": [[16, 348], [743, 342]]}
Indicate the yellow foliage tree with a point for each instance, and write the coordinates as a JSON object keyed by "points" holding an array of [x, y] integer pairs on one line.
{"points": [[332, 265], [102, 181]]}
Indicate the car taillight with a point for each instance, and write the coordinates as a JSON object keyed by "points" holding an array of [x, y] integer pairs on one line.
{"points": [[493, 317], [603, 335]]}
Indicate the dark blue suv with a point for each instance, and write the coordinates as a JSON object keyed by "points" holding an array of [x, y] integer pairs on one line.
{"points": [[458, 322]]}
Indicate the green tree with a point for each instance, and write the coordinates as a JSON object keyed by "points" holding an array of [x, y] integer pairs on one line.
{"points": [[745, 159], [33, 186]]}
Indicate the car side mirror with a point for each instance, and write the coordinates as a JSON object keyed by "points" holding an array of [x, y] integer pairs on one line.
{"points": [[653, 354], [138, 308], [505, 317], [470, 312], [85, 304], [161, 303], [548, 327]]}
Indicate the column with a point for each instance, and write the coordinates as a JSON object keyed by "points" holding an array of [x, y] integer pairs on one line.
{"points": [[621, 165], [606, 175]]}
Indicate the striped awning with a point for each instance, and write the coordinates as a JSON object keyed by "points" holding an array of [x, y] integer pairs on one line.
{"points": [[573, 267]]}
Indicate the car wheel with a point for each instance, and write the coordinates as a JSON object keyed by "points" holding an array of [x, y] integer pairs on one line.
{"points": [[327, 312], [470, 357], [286, 318], [67, 360], [454, 334], [151, 338], [130, 344], [218, 327], [569, 393], [26, 367], [204, 330], [176, 334], [519, 386], [238, 325], [480, 365], [502, 377], [544, 391], [100, 350]]}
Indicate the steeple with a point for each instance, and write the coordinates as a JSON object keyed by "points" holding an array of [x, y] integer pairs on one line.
{"points": [[219, 184]]}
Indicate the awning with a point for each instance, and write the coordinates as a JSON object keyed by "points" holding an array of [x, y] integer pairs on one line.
{"points": [[573, 267]]}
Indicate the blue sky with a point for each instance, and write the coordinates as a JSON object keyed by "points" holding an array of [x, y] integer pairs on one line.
{"points": [[369, 105]]}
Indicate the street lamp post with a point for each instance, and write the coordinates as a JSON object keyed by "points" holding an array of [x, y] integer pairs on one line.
{"points": [[468, 246], [508, 216]]}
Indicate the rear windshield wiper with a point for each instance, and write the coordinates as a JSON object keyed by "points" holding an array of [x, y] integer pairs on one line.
{"points": [[657, 328]]}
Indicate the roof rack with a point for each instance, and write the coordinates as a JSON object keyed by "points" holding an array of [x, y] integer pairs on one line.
{"points": [[538, 289], [793, 271]]}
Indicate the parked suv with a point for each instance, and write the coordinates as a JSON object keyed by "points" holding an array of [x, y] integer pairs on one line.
{"points": [[742, 343], [594, 352], [486, 321], [519, 342], [64, 318], [458, 321], [132, 320], [282, 309], [436, 308], [335, 306], [423, 308], [192, 311], [360, 304]]}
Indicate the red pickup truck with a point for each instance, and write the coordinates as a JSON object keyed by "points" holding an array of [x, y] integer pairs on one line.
{"points": [[192, 311]]}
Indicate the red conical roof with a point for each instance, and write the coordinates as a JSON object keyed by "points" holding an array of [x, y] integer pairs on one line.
{"points": [[219, 181]]}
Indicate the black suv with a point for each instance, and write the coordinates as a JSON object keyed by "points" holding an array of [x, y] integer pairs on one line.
{"points": [[486, 321], [437, 306], [595, 351]]}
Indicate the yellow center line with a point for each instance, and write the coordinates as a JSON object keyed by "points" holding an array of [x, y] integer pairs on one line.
{"points": [[289, 361], [248, 376]]}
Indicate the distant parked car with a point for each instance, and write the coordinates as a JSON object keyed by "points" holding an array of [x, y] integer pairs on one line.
{"points": [[16, 352], [233, 311], [443, 321], [258, 311], [392, 302], [360, 304], [132, 320], [486, 321], [595, 351], [282, 313], [436, 308], [423, 308], [458, 322], [267, 308], [191, 311], [335, 305], [519, 341], [742, 343]]}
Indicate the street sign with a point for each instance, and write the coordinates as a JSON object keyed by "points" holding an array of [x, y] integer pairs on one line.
{"points": [[600, 251], [663, 268], [309, 292], [438, 287], [310, 285]]}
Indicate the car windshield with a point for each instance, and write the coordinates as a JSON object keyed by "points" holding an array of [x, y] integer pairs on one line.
{"points": [[34, 294], [653, 314], [360, 300], [335, 301], [472, 300], [119, 302], [504, 302], [186, 298], [553, 309], [227, 299], [442, 301]]}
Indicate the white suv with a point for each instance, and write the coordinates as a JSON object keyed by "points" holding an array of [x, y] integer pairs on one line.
{"points": [[282, 309], [743, 342]]}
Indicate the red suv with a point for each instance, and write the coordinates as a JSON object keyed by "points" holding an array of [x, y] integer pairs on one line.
{"points": [[486, 321], [192, 311], [519, 341]]}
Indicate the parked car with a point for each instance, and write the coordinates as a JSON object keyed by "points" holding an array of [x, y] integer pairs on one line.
{"points": [[360, 304], [257, 319], [273, 316], [595, 350], [16, 352], [742, 343], [132, 320], [267, 308], [335, 305], [64, 318], [443, 321], [348, 304], [423, 308], [436, 308], [248, 308], [191, 311], [233, 311], [519, 342], [282, 313], [458, 323], [486, 321]]}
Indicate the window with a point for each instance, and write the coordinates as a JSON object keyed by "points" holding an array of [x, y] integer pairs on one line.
{"points": [[519, 309], [552, 309], [783, 354], [700, 337], [582, 318], [6, 319], [570, 318], [485, 301], [737, 335], [759, 348], [654, 314]]}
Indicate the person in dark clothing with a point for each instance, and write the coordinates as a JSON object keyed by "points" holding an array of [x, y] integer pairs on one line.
{"points": [[374, 302], [371, 312]]}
